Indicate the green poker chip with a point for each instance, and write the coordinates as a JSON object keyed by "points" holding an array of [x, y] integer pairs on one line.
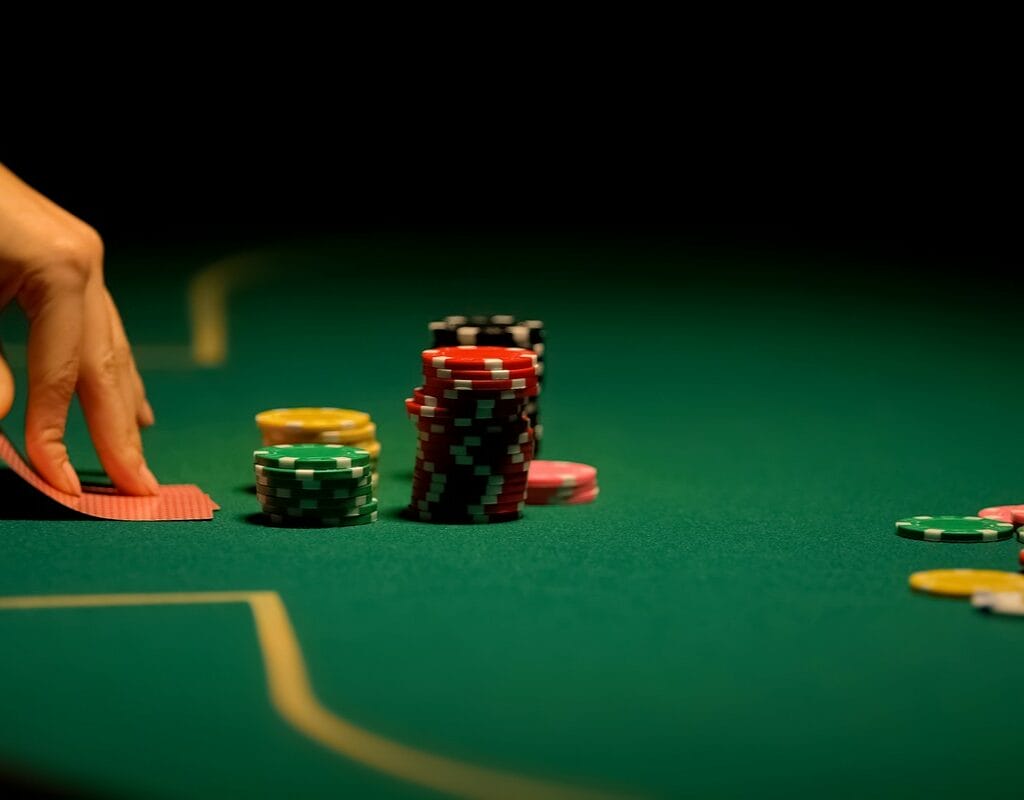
{"points": [[306, 493], [340, 507], [302, 474], [313, 485], [325, 512], [311, 456], [320, 522], [953, 529]]}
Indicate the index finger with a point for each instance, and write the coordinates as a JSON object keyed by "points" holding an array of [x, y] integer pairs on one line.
{"points": [[54, 306]]}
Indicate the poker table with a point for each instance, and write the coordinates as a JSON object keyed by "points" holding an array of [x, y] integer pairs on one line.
{"points": [[730, 618]]}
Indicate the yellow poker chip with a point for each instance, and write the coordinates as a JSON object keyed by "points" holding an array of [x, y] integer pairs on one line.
{"points": [[965, 582], [354, 436], [313, 419], [372, 447]]}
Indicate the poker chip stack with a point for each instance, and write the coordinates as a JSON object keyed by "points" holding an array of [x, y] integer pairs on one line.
{"points": [[499, 330], [306, 485], [321, 426], [475, 442]]}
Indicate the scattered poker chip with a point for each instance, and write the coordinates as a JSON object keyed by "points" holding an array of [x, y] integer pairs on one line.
{"points": [[312, 419], [311, 456], [1008, 603], [320, 522], [479, 358], [965, 582], [556, 474], [953, 529], [1002, 513]]}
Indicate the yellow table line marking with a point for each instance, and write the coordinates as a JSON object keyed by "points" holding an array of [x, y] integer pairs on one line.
{"points": [[208, 304], [293, 698]]}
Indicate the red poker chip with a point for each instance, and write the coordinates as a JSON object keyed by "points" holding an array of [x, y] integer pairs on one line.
{"points": [[444, 455], [451, 391], [432, 373], [494, 461], [467, 445], [469, 496], [484, 384], [453, 471], [446, 518], [478, 442], [480, 427], [489, 449], [479, 358], [421, 411], [465, 510], [469, 403], [470, 493], [463, 476]]}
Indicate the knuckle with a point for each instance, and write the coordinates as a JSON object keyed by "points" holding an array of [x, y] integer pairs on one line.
{"points": [[59, 381], [70, 259], [107, 368]]}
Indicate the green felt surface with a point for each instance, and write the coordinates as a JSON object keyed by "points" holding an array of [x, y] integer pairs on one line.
{"points": [[731, 618]]}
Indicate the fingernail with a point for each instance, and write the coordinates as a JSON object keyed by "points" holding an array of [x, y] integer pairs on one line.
{"points": [[148, 417], [71, 484], [149, 479]]}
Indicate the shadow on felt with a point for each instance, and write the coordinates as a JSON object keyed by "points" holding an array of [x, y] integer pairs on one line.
{"points": [[18, 500]]}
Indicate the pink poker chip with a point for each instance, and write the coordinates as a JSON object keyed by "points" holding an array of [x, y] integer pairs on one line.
{"points": [[558, 474], [578, 497], [1013, 514], [589, 496]]}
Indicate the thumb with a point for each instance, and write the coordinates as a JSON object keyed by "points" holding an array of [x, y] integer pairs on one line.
{"points": [[6, 387]]}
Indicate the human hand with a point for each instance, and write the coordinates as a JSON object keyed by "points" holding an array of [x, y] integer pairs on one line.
{"points": [[52, 264]]}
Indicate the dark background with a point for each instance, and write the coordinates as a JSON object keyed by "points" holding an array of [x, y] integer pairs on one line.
{"points": [[928, 197]]}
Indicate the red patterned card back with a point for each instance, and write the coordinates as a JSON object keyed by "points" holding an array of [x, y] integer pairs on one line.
{"points": [[175, 502]]}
